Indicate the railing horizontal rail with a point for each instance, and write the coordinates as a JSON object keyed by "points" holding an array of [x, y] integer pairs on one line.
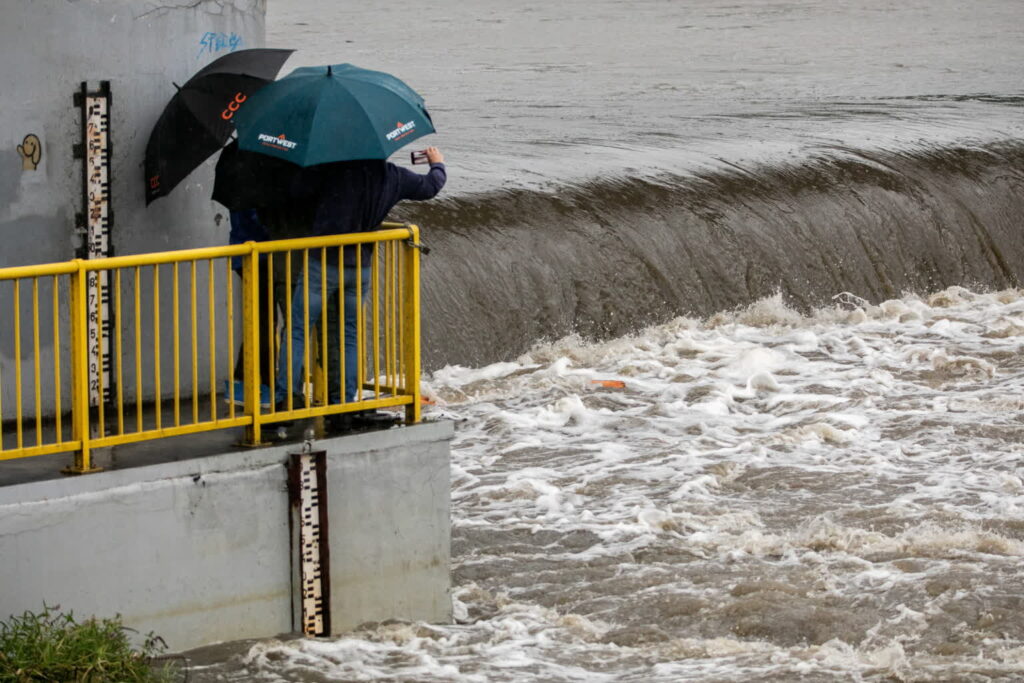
{"points": [[166, 257], [44, 270], [328, 241], [62, 447], [165, 432]]}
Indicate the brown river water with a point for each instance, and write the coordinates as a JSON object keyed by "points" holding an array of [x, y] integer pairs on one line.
{"points": [[791, 230]]}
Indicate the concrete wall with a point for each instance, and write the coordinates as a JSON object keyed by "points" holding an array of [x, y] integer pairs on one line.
{"points": [[199, 551], [142, 47], [382, 500]]}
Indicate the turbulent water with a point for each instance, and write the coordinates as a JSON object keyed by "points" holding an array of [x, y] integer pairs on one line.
{"points": [[724, 302], [757, 496], [606, 258]]}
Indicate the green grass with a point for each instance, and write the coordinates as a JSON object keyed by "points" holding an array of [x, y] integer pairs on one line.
{"points": [[52, 646]]}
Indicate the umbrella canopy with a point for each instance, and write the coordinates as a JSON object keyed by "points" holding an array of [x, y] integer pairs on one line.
{"points": [[199, 119], [317, 115]]}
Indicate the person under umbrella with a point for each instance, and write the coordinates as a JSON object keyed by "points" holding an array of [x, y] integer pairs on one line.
{"points": [[343, 122], [247, 183], [354, 197]]}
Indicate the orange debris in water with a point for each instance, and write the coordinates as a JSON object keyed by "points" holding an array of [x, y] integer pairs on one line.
{"points": [[609, 383]]}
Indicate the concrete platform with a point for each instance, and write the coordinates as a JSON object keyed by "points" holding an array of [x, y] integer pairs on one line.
{"points": [[190, 537], [141, 454]]}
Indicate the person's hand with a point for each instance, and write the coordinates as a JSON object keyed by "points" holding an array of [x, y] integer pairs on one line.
{"points": [[434, 155]]}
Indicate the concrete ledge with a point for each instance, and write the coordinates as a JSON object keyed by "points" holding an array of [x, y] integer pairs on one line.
{"points": [[198, 550]]}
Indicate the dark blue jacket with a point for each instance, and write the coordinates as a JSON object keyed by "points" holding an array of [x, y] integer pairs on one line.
{"points": [[357, 196], [245, 226]]}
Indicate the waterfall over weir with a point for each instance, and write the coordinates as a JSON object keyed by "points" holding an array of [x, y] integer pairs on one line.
{"points": [[606, 258]]}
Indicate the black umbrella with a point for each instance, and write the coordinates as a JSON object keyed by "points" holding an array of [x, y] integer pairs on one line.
{"points": [[249, 180], [199, 118]]}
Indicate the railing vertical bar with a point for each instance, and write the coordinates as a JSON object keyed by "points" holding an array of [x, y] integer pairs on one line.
{"points": [[389, 312], [400, 304], [360, 330], [35, 360], [176, 324], [1, 409], [397, 319], [288, 319], [138, 349], [212, 318], [412, 312], [375, 295], [79, 312], [251, 343], [156, 342], [271, 332], [324, 364], [386, 260], [120, 351], [56, 361], [230, 365], [17, 361], [395, 329], [195, 349], [341, 322], [101, 399], [384, 332], [305, 328]]}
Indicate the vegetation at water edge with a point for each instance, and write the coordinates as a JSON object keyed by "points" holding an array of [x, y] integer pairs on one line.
{"points": [[52, 646]]}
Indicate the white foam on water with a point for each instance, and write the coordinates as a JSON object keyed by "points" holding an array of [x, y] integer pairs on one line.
{"points": [[762, 495]]}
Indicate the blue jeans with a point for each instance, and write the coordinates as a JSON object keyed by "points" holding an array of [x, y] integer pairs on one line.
{"points": [[316, 307]]}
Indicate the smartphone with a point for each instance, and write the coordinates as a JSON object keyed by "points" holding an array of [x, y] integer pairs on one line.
{"points": [[418, 157]]}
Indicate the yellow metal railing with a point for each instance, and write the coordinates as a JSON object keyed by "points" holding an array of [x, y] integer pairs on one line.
{"points": [[112, 351]]}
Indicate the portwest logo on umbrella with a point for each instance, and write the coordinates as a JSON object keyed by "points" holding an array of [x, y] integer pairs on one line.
{"points": [[400, 131], [279, 142]]}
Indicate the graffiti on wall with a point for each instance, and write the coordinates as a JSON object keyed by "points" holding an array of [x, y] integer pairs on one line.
{"points": [[213, 42], [31, 151]]}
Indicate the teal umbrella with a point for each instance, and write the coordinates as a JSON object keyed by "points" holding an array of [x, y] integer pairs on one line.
{"points": [[320, 114]]}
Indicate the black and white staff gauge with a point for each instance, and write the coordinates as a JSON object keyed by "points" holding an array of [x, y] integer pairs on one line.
{"points": [[308, 493], [95, 222]]}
